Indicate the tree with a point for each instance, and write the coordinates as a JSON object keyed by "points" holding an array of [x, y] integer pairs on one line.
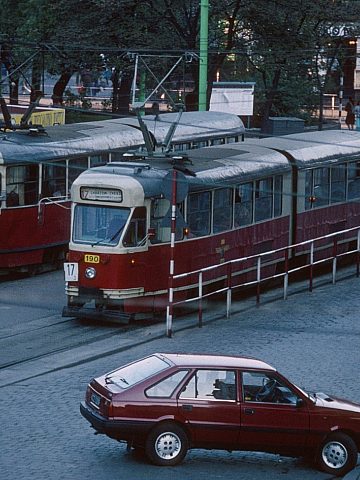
{"points": [[286, 39]]}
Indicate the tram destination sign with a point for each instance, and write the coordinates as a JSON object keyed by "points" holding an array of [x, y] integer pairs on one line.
{"points": [[101, 194]]}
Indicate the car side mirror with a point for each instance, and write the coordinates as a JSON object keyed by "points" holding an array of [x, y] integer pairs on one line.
{"points": [[299, 402]]}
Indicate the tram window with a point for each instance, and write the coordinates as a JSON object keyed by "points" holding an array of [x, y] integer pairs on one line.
{"points": [[278, 194], [353, 180], [159, 209], [199, 144], [198, 213], [136, 231], [309, 193], [54, 179], [222, 218], [100, 159], [263, 199], [321, 186], [181, 146], [217, 141], [244, 204], [317, 187], [117, 155], [338, 183], [76, 166], [100, 225], [22, 185]]}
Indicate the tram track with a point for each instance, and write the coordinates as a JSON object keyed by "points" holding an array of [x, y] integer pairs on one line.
{"points": [[78, 354], [57, 350], [47, 344], [66, 336]]}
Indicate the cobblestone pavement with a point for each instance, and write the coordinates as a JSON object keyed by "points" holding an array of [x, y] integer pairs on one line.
{"points": [[312, 338]]}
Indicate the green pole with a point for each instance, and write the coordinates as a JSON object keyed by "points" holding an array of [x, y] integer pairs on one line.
{"points": [[142, 91], [203, 66]]}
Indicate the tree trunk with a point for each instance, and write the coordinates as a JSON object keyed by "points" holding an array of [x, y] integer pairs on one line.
{"points": [[270, 95], [321, 109], [35, 78], [124, 95], [13, 79], [59, 88], [115, 80], [14, 91]]}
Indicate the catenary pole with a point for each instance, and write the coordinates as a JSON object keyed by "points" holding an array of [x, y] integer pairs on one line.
{"points": [[203, 60], [170, 308]]}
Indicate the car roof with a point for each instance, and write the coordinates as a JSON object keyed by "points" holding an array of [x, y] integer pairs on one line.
{"points": [[215, 361]]}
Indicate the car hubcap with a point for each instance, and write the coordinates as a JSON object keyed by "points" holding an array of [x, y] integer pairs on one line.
{"points": [[168, 445], [334, 455]]}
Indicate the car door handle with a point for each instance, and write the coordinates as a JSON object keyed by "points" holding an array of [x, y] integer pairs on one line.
{"points": [[187, 407], [249, 411]]}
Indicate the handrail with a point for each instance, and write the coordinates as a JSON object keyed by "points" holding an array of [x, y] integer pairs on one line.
{"points": [[229, 265], [52, 200]]}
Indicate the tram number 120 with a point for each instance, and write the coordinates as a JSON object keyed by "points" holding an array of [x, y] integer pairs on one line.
{"points": [[71, 271]]}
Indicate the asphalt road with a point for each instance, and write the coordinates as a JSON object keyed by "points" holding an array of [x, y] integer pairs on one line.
{"points": [[46, 362]]}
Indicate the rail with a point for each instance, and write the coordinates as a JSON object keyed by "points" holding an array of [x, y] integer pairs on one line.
{"points": [[318, 251]]}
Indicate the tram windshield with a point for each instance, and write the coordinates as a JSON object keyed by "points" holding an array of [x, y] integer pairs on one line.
{"points": [[99, 225]]}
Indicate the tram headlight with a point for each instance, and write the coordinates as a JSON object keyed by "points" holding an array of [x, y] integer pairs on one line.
{"points": [[90, 272]]}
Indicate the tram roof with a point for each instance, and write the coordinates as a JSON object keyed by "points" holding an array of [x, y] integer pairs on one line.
{"points": [[234, 162], [213, 166], [72, 140], [312, 148], [195, 124]]}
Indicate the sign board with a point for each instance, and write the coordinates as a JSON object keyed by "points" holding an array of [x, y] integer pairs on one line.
{"points": [[101, 194], [233, 97]]}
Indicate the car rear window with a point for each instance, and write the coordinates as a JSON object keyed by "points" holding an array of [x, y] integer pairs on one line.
{"points": [[127, 376]]}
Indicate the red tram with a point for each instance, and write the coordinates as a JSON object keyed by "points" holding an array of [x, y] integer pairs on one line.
{"points": [[37, 169], [240, 200]]}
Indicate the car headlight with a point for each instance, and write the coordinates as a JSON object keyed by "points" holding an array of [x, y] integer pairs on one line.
{"points": [[90, 272]]}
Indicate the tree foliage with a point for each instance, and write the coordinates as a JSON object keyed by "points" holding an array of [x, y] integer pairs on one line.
{"points": [[287, 46]]}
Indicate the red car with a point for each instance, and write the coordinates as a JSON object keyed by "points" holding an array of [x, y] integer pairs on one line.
{"points": [[168, 403]]}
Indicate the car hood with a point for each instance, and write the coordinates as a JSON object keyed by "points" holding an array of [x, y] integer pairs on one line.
{"points": [[335, 403]]}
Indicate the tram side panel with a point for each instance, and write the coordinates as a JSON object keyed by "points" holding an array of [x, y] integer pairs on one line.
{"points": [[138, 281], [321, 213], [33, 235]]}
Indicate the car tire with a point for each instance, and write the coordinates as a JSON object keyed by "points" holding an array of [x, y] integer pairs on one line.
{"points": [[337, 454], [167, 444]]}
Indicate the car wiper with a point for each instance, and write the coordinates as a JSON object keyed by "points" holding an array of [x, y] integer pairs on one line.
{"points": [[110, 380], [124, 381], [105, 240]]}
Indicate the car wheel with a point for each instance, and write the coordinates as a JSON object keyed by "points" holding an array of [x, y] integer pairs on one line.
{"points": [[166, 444], [337, 454]]}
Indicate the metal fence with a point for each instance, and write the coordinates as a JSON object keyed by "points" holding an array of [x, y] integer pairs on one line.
{"points": [[306, 255]]}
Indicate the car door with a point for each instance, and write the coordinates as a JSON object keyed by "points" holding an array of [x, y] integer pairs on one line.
{"points": [[273, 415], [209, 405]]}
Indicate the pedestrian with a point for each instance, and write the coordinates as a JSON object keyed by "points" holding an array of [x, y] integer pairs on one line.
{"points": [[357, 116], [350, 116]]}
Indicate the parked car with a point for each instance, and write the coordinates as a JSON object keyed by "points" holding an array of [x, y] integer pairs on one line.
{"points": [[169, 403]]}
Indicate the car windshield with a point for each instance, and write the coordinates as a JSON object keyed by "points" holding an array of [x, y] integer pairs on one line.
{"points": [[99, 225], [127, 376]]}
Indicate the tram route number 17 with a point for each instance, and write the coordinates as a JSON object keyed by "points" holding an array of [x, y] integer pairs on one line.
{"points": [[71, 271]]}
